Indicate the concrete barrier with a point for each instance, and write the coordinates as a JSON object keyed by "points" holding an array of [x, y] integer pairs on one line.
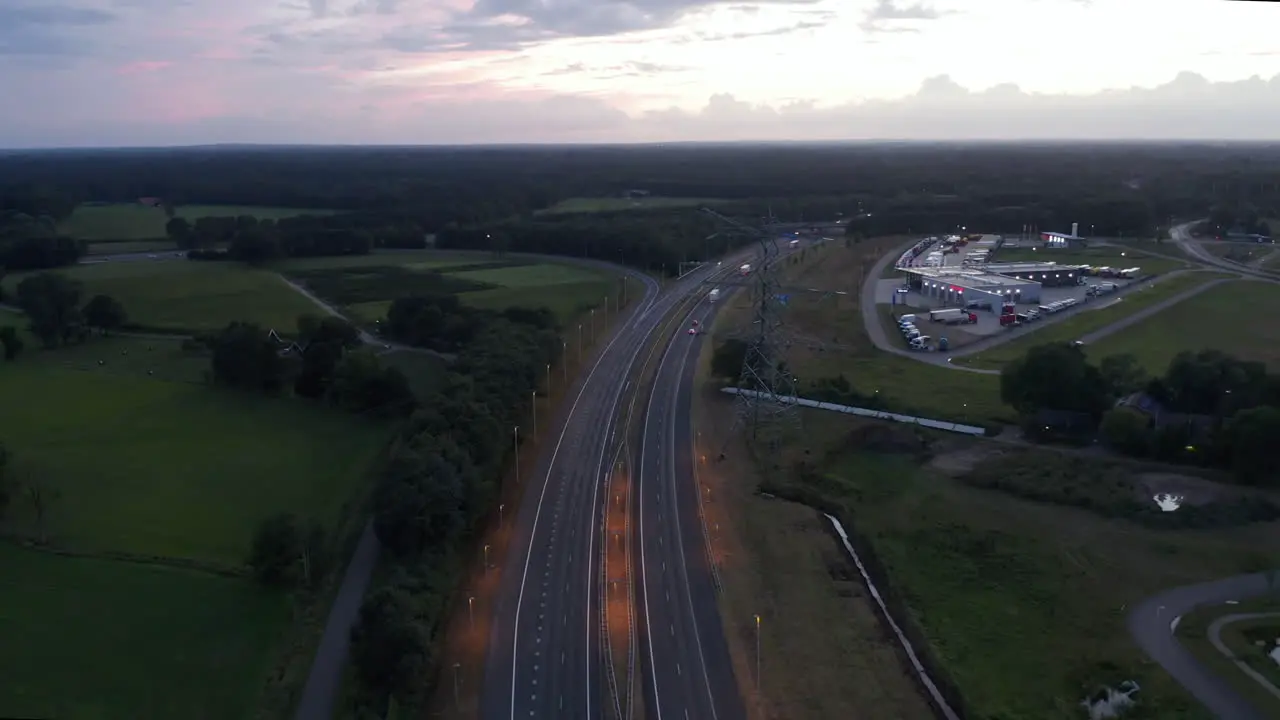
{"points": [[864, 412]]}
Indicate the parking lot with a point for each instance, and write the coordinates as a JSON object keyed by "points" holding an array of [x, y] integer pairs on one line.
{"points": [[889, 292]]}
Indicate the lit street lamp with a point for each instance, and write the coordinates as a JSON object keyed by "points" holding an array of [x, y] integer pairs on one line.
{"points": [[471, 612]]}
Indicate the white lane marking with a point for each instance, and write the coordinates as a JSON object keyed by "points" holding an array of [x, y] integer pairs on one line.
{"points": [[675, 512], [644, 438], [515, 631]]}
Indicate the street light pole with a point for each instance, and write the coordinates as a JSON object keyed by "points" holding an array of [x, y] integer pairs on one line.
{"points": [[548, 379], [457, 702], [516, 445], [579, 343], [757, 653], [486, 559], [564, 360], [471, 612], [593, 326], [535, 412]]}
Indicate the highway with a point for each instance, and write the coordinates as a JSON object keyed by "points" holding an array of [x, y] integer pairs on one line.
{"points": [[544, 657], [685, 653]]}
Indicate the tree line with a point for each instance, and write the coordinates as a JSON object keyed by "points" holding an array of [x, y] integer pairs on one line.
{"points": [[248, 239], [438, 480], [1208, 408]]}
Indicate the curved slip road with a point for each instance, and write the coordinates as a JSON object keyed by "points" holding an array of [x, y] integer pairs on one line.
{"points": [[1152, 625], [544, 656], [684, 649], [1215, 637]]}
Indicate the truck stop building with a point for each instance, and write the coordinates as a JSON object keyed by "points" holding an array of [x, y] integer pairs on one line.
{"points": [[1045, 273], [961, 286]]}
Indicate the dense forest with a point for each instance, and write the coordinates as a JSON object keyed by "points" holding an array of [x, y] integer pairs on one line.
{"points": [[490, 198]]}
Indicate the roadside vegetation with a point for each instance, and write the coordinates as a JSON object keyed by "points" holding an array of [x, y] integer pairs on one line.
{"points": [[1250, 641]]}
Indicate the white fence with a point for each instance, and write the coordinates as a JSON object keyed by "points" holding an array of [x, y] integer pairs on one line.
{"points": [[929, 685], [864, 412]]}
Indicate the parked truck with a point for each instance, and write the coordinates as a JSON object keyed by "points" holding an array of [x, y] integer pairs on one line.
{"points": [[946, 314]]}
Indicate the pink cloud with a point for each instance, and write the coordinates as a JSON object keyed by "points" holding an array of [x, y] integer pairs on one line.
{"points": [[142, 66]]}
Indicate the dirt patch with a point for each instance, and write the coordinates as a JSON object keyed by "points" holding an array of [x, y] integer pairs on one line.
{"points": [[1191, 490], [962, 460]]}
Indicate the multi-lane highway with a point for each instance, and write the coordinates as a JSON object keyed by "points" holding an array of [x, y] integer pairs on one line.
{"points": [[544, 657], [685, 653]]}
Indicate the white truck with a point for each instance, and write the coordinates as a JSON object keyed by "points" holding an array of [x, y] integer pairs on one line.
{"points": [[794, 244], [745, 269], [714, 295], [947, 314]]}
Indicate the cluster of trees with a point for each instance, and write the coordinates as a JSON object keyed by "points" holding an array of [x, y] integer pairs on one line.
{"points": [[248, 239], [32, 242], [1244, 217], [56, 315], [652, 239], [325, 362], [39, 497], [1208, 408], [440, 480]]}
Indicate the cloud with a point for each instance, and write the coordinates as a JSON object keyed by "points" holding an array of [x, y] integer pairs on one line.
{"points": [[1188, 107], [41, 29], [886, 15]]}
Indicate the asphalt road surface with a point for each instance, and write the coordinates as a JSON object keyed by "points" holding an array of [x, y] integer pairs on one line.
{"points": [[1151, 624], [684, 651], [544, 655]]}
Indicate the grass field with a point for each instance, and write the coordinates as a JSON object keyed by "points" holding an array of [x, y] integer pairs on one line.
{"points": [[181, 295], [365, 290], [138, 246], [615, 204], [122, 221], [1022, 602], [1089, 319], [1193, 634], [91, 639], [903, 384], [1097, 256], [1236, 318], [172, 469]]}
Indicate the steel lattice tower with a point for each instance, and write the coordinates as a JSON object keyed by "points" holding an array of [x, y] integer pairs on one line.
{"points": [[768, 408]]}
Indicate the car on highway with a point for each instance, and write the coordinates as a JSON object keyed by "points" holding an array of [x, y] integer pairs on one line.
{"points": [[693, 331]]}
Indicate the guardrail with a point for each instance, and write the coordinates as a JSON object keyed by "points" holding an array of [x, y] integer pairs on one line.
{"points": [[864, 412]]}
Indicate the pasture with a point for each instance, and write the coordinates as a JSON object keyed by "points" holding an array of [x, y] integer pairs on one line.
{"points": [[172, 469], [1237, 318], [189, 296], [618, 204], [88, 638], [1022, 602], [134, 221], [1089, 319], [366, 291]]}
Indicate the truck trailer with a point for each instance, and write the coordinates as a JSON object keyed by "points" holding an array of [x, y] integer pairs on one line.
{"points": [[714, 295]]}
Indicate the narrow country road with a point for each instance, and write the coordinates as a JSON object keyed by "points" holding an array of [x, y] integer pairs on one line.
{"points": [[1147, 312], [1152, 624], [366, 337]]}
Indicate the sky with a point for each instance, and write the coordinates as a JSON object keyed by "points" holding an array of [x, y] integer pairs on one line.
{"points": [[174, 72]]}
